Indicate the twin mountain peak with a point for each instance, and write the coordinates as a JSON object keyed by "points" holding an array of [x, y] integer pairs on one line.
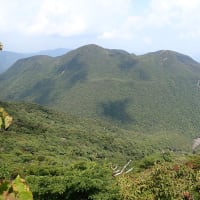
{"points": [[156, 90]]}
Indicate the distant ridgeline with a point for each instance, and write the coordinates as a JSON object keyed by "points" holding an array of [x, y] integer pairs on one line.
{"points": [[5, 119]]}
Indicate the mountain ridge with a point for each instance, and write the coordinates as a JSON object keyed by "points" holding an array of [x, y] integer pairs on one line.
{"points": [[147, 93]]}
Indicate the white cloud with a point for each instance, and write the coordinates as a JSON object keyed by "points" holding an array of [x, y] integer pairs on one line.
{"points": [[159, 24], [70, 27], [16, 14], [180, 18], [190, 34], [147, 40], [58, 17], [179, 14], [63, 17], [115, 35], [108, 35]]}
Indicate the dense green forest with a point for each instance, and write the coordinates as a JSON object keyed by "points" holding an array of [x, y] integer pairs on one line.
{"points": [[149, 93], [100, 124], [65, 157]]}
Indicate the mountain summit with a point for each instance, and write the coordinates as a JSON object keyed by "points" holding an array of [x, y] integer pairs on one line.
{"points": [[152, 92]]}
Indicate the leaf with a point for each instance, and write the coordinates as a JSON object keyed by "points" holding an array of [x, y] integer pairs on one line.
{"points": [[25, 196], [8, 121], [1, 123], [21, 189], [4, 187], [5, 119]]}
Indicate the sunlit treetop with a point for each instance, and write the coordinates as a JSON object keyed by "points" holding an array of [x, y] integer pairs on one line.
{"points": [[1, 46]]}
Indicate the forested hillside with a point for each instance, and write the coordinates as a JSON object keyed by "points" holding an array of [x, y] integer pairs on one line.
{"points": [[149, 93], [66, 157]]}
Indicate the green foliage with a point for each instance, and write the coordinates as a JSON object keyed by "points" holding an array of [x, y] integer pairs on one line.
{"points": [[64, 167], [165, 181], [194, 161], [5, 119], [81, 180], [117, 111], [1, 46], [4, 172], [156, 158], [68, 138], [15, 190]]}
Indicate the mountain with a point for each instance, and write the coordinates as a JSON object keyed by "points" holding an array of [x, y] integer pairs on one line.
{"points": [[151, 93], [53, 52], [8, 58]]}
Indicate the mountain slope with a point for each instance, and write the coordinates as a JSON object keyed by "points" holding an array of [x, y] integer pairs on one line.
{"points": [[149, 93], [41, 136], [65, 157], [7, 58], [53, 52]]}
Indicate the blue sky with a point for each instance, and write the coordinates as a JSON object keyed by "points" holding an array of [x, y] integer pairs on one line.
{"points": [[137, 26]]}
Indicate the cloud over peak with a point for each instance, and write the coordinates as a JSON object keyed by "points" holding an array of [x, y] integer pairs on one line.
{"points": [[126, 23]]}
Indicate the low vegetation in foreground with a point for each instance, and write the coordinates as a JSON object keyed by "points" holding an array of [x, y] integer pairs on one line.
{"points": [[65, 157]]}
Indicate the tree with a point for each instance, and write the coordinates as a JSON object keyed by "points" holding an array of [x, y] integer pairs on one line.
{"points": [[15, 190], [1, 46], [5, 119]]}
